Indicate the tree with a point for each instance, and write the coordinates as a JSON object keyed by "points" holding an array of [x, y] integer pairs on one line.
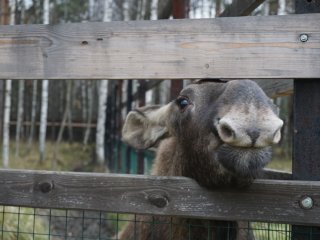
{"points": [[103, 93], [89, 112], [44, 96], [20, 111], [65, 117], [117, 14], [4, 19], [281, 7], [33, 112], [164, 9], [7, 103], [6, 124]]}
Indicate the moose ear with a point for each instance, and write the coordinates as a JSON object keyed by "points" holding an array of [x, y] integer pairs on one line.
{"points": [[145, 126]]}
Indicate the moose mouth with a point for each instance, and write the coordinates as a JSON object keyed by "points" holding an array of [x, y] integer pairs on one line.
{"points": [[243, 162]]}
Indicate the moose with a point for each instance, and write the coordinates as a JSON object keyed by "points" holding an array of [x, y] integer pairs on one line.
{"points": [[217, 132]]}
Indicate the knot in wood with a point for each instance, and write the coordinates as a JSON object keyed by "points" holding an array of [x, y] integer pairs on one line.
{"points": [[158, 200], [46, 187]]}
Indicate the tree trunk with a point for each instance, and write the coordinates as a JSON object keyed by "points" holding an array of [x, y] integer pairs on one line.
{"points": [[43, 119], [281, 7], [117, 14], [103, 92], [44, 96], [117, 11], [20, 111], [63, 123], [4, 19], [69, 111], [164, 9], [4, 14], [266, 8], [147, 11], [218, 7], [7, 103], [84, 105], [89, 111], [33, 112], [6, 124]]}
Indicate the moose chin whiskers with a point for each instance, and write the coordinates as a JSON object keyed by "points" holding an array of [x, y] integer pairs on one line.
{"points": [[243, 161]]}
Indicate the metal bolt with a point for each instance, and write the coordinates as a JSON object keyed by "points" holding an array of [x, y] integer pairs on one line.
{"points": [[304, 37], [306, 202]]}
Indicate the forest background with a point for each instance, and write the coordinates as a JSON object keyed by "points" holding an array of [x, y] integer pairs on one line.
{"points": [[75, 125]]}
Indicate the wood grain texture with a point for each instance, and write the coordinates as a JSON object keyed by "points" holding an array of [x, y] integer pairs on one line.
{"points": [[306, 148], [276, 87], [242, 47], [265, 200], [241, 8]]}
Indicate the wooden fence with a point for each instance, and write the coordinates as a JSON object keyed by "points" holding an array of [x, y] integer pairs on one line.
{"points": [[244, 47], [265, 200], [273, 47]]}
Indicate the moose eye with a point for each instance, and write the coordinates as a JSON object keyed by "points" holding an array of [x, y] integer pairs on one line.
{"points": [[183, 103]]}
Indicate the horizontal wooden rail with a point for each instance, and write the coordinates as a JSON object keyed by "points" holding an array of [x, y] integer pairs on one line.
{"points": [[57, 124], [265, 200], [239, 47]]}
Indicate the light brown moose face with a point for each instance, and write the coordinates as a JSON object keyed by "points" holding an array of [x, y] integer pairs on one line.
{"points": [[224, 127]]}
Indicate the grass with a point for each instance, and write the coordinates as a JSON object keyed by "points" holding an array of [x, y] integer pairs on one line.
{"points": [[70, 157], [283, 164], [271, 231], [28, 223], [22, 224], [281, 161]]}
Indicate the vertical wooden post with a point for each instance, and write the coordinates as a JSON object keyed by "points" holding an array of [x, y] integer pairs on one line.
{"points": [[129, 107], [1, 104], [306, 148], [108, 127], [142, 102]]}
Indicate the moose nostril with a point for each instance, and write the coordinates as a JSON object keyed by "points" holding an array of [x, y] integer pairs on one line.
{"points": [[226, 131]]}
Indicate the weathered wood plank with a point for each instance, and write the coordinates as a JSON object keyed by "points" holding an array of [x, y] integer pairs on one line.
{"points": [[241, 8], [276, 87], [265, 200], [243, 47], [306, 148]]}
